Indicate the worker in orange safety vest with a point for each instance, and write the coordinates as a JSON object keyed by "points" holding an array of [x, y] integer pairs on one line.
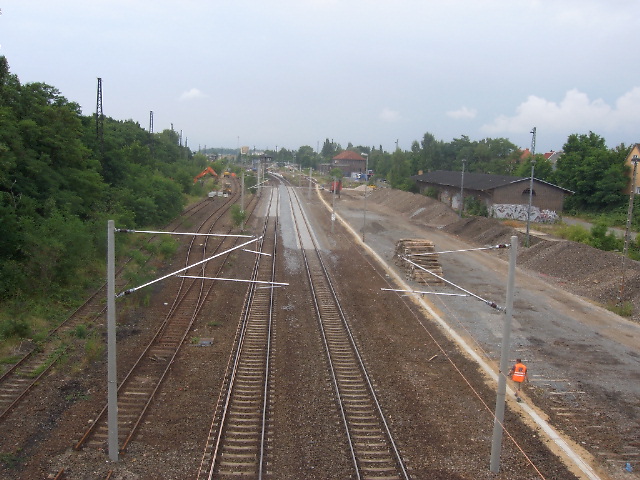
{"points": [[518, 374]]}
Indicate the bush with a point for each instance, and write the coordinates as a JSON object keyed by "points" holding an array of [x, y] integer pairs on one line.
{"points": [[431, 192], [474, 207], [603, 239], [575, 233], [80, 331], [94, 348], [168, 246], [14, 328], [238, 216]]}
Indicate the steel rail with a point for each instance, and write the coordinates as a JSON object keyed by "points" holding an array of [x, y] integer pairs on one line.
{"points": [[184, 290], [250, 330], [12, 380], [358, 459]]}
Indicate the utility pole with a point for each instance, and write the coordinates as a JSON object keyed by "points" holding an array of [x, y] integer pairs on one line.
{"points": [[498, 423], [309, 193], [625, 250], [151, 131], [533, 166], [366, 186], [333, 201], [242, 201], [464, 161], [100, 118], [112, 376]]}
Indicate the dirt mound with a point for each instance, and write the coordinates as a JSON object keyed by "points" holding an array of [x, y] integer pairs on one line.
{"points": [[576, 267], [482, 230], [419, 208]]}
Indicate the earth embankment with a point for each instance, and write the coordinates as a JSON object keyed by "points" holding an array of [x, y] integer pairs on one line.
{"points": [[581, 269]]}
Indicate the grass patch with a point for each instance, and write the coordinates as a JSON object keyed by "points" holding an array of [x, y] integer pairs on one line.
{"points": [[624, 309], [512, 223], [55, 356], [10, 460], [76, 396], [94, 348], [80, 331], [10, 360]]}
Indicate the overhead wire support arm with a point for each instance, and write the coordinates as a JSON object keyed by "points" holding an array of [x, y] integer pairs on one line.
{"points": [[127, 230], [131, 290], [488, 302], [419, 292], [493, 247]]}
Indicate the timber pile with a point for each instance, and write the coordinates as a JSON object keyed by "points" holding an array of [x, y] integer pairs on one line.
{"points": [[410, 248]]}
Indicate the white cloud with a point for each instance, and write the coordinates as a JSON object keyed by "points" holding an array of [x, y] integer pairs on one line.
{"points": [[575, 113], [192, 94], [463, 113], [388, 115]]}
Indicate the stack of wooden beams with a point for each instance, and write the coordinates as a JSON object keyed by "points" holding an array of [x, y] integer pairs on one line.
{"points": [[412, 249]]}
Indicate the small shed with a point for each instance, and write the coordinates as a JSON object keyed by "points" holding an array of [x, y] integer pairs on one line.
{"points": [[504, 196]]}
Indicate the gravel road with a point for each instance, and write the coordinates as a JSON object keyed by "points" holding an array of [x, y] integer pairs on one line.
{"points": [[584, 361]]}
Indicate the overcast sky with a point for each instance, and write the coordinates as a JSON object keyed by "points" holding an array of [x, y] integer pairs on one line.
{"points": [[286, 73]]}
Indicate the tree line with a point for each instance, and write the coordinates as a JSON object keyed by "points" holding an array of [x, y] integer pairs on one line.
{"points": [[596, 174], [59, 183]]}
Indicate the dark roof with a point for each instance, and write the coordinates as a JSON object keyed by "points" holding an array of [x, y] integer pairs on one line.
{"points": [[349, 155], [474, 181]]}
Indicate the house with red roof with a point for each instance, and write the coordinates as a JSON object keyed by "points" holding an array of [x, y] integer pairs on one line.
{"points": [[348, 161]]}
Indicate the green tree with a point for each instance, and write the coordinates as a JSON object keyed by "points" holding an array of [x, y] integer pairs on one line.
{"points": [[595, 173], [543, 169], [329, 149], [400, 171], [306, 157]]}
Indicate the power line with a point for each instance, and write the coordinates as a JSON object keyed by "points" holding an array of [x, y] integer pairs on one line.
{"points": [[100, 118]]}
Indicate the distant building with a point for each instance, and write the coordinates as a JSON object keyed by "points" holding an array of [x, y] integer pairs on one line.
{"points": [[553, 157], [526, 153], [635, 152], [504, 196], [349, 162]]}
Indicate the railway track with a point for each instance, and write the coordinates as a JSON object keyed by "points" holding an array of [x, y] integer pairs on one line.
{"points": [[29, 368], [372, 449], [138, 388], [236, 445]]}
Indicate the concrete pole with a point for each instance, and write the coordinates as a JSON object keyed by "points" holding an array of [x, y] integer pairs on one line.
{"points": [[496, 444], [625, 249], [333, 204], [112, 377], [464, 161], [309, 193], [259, 169], [533, 166], [242, 199], [366, 187]]}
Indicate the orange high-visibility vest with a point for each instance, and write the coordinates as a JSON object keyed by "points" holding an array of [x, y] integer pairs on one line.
{"points": [[519, 372]]}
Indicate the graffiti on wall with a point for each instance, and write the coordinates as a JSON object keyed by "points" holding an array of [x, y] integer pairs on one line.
{"points": [[519, 212]]}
